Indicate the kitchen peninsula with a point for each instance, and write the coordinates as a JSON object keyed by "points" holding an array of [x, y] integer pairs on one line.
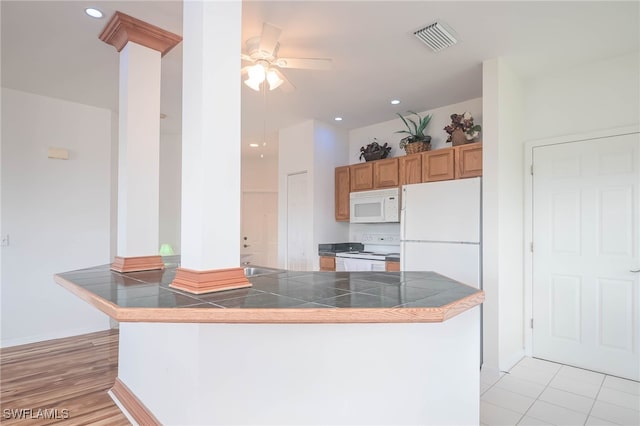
{"points": [[295, 348]]}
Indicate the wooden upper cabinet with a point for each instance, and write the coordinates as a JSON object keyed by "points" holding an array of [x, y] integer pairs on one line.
{"points": [[385, 173], [438, 165], [410, 169], [361, 176], [468, 160], [343, 189]]}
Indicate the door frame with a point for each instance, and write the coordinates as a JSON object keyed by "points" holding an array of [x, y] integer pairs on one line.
{"points": [[528, 212]]}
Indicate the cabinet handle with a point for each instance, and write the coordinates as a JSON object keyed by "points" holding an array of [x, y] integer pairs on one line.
{"points": [[635, 270]]}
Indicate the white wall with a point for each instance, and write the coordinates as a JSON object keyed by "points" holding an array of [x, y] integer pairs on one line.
{"points": [[260, 174], [385, 131], [316, 148], [503, 226], [595, 96], [330, 150], [170, 189], [57, 213]]}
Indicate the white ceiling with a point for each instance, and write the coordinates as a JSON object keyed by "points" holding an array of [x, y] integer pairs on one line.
{"points": [[52, 48]]}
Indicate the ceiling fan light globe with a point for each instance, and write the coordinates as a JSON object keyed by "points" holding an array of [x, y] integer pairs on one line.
{"points": [[257, 73], [253, 83], [274, 80]]}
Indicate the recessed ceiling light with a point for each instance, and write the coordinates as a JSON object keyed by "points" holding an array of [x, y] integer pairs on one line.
{"points": [[338, 118], [261, 155], [254, 145], [264, 144], [94, 13], [395, 102]]}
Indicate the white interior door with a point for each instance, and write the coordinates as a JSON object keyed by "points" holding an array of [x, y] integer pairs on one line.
{"points": [[299, 224], [586, 229], [259, 229]]}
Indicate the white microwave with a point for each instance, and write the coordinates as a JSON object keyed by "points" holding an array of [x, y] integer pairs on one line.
{"points": [[381, 205]]}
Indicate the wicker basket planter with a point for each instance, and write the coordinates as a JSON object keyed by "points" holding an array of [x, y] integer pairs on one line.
{"points": [[415, 147]]}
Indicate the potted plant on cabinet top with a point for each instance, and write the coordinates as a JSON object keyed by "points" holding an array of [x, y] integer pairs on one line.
{"points": [[461, 130], [417, 141], [374, 151]]}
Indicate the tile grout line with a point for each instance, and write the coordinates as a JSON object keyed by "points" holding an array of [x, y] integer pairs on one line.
{"points": [[595, 399], [538, 397]]}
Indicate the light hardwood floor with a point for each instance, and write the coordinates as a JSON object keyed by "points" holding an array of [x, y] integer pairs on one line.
{"points": [[71, 374]]}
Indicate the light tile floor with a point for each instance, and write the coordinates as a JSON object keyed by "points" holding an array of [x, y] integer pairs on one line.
{"points": [[537, 392]]}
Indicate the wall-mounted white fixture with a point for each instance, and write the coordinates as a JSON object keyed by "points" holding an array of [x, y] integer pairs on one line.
{"points": [[437, 36], [58, 153]]}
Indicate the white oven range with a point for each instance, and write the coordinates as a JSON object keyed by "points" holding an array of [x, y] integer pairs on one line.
{"points": [[361, 261]]}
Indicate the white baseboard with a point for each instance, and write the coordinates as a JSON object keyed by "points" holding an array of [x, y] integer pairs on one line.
{"points": [[509, 362]]}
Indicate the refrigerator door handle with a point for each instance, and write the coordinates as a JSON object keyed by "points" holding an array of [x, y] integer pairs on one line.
{"points": [[403, 212]]}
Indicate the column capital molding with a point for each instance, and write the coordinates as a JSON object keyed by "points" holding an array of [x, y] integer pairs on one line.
{"points": [[123, 28], [199, 282]]}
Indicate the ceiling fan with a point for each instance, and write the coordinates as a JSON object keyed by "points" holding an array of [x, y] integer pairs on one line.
{"points": [[263, 52]]}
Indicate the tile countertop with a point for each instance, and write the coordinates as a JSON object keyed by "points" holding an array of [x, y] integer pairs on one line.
{"points": [[285, 297]]}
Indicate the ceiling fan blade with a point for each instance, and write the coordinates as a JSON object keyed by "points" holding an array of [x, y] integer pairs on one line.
{"points": [[269, 38], [305, 63], [287, 86], [246, 57]]}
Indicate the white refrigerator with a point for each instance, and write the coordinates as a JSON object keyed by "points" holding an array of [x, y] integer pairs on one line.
{"points": [[440, 229]]}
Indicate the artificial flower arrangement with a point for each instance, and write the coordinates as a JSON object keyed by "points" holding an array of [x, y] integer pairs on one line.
{"points": [[462, 124]]}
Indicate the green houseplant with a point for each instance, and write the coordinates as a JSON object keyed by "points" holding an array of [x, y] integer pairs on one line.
{"points": [[416, 141]]}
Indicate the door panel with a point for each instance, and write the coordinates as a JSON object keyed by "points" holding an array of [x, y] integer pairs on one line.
{"points": [[586, 235]]}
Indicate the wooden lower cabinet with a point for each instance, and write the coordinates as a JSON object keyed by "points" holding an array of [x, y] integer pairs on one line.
{"points": [[327, 263], [392, 266], [468, 160], [410, 169], [438, 165], [343, 189], [385, 173]]}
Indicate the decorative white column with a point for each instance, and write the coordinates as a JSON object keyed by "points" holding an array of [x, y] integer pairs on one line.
{"points": [[141, 46], [212, 34]]}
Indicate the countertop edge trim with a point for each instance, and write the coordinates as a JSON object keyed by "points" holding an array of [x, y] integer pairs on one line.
{"points": [[275, 315]]}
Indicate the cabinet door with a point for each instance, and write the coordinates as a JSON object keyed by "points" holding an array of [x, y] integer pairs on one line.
{"points": [[437, 165], [392, 266], [410, 169], [361, 176], [327, 263], [342, 193], [468, 160], [385, 173]]}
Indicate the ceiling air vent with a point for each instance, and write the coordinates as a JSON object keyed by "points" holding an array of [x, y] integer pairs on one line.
{"points": [[437, 36]]}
